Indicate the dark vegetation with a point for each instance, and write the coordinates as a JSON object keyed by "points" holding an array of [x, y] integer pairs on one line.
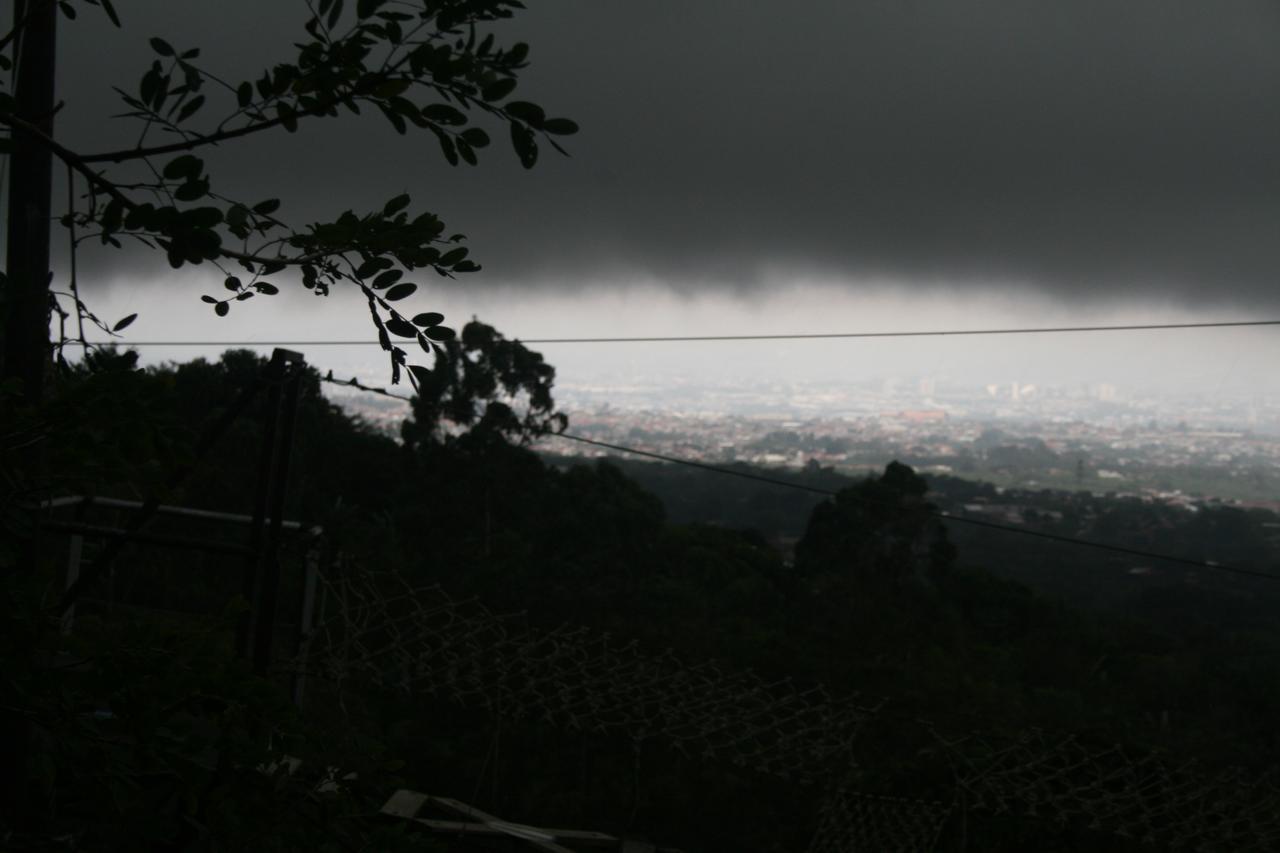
{"points": [[141, 731]]}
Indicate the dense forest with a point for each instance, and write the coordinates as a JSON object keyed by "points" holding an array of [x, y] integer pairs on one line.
{"points": [[139, 730]]}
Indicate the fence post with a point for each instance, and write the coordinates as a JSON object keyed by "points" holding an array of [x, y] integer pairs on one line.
{"points": [[262, 572], [73, 574], [306, 621]]}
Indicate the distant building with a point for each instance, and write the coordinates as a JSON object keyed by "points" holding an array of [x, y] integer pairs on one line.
{"points": [[918, 416]]}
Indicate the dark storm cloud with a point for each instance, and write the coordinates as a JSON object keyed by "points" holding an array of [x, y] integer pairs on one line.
{"points": [[1084, 147]]}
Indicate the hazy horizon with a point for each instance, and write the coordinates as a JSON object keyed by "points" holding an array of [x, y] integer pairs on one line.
{"points": [[891, 166]]}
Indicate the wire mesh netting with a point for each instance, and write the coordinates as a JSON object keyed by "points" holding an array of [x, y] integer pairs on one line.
{"points": [[385, 632], [850, 820], [379, 630], [1118, 791]]}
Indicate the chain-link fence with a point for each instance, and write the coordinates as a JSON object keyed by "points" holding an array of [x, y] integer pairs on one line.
{"points": [[379, 630]]}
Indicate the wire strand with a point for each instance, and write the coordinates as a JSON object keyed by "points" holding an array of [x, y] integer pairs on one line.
{"points": [[928, 333], [946, 516]]}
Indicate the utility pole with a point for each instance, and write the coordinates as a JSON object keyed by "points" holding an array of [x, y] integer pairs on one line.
{"points": [[24, 302], [24, 297]]}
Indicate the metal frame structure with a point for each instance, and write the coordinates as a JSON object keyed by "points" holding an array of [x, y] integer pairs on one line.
{"points": [[260, 581]]}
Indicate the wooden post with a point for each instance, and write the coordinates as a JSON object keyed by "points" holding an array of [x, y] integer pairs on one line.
{"points": [[25, 305], [262, 573]]}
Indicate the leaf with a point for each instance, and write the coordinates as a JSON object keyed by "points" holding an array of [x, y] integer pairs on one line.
{"points": [[335, 13], [526, 112], [396, 205], [430, 318], [232, 283], [191, 190], [401, 328], [371, 266], [161, 46], [237, 215], [523, 142], [68, 10], [466, 152], [221, 309], [267, 207], [475, 137], [400, 291], [111, 12], [288, 116], [387, 279], [444, 114], [124, 322], [397, 121], [113, 216], [266, 287], [452, 256], [149, 86], [187, 166], [499, 89], [560, 126], [420, 374], [244, 93], [190, 108], [449, 149], [441, 333], [366, 8]]}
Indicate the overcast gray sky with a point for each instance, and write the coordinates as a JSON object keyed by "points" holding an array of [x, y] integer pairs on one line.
{"points": [[830, 164]]}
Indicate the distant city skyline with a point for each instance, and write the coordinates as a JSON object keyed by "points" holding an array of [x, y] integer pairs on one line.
{"points": [[1228, 361]]}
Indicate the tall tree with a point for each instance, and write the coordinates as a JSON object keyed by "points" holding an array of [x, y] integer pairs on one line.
{"points": [[423, 65], [879, 530]]}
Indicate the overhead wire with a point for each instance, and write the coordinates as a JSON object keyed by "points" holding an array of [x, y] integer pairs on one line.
{"points": [[946, 516], [919, 333], [940, 514]]}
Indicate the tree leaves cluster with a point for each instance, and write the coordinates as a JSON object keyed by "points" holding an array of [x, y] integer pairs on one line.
{"points": [[479, 388], [430, 66]]}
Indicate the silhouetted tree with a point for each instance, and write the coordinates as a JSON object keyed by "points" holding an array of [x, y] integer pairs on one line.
{"points": [[419, 64], [878, 530], [484, 388]]}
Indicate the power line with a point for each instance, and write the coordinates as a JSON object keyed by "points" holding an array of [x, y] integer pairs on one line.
{"points": [[929, 333], [973, 522]]}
